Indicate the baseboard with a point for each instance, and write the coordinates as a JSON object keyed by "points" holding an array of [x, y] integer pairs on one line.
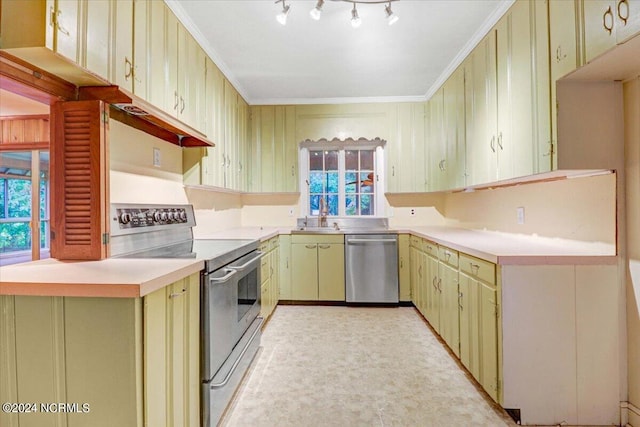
{"points": [[630, 414]]}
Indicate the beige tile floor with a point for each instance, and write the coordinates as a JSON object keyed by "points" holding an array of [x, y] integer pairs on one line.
{"points": [[352, 366]]}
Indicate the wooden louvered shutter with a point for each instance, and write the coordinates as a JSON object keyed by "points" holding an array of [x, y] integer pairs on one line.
{"points": [[79, 165]]}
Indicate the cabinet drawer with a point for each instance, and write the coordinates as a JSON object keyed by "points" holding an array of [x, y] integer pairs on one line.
{"points": [[415, 242], [274, 243], [264, 246], [483, 270], [430, 248], [448, 256], [316, 238], [265, 268]]}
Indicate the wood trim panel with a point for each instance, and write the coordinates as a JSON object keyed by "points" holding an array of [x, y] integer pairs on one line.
{"points": [[24, 131], [20, 77], [79, 192]]}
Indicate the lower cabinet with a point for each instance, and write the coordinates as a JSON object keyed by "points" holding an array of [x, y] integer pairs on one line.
{"points": [[317, 268], [270, 276], [404, 268], [133, 361]]}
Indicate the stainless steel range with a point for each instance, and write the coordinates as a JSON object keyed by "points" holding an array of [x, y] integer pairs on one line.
{"points": [[230, 327]]}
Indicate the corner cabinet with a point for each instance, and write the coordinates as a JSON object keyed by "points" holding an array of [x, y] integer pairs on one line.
{"points": [[142, 352], [317, 268]]}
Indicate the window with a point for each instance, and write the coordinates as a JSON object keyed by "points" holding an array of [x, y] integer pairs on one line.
{"points": [[342, 179]]}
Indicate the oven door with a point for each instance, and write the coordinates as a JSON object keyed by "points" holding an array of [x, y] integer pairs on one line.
{"points": [[248, 280]]}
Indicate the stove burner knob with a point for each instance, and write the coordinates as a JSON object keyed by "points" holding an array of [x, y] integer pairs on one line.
{"points": [[125, 218], [157, 217], [163, 216], [183, 216], [170, 216]]}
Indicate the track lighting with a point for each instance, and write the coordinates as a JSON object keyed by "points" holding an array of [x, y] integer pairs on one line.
{"points": [[392, 18], [316, 12], [355, 19], [282, 16]]}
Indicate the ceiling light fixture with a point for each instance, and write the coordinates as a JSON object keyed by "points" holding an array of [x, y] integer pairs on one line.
{"points": [[392, 18], [356, 21], [317, 11], [282, 16]]}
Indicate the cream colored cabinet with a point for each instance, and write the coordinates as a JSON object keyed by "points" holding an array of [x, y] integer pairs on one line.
{"points": [[270, 276], [481, 111], [156, 56], [144, 353], [432, 292], [436, 141], [317, 268], [406, 154], [608, 22], [273, 148], [172, 355], [404, 268], [214, 163], [454, 164], [479, 310], [285, 267], [64, 23], [448, 293], [414, 264]]}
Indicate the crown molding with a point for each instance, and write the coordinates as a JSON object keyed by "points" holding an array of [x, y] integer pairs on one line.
{"points": [[354, 100]]}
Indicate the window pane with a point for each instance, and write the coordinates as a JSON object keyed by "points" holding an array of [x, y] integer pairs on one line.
{"points": [[351, 205], [367, 182], [314, 202], [19, 192], [3, 202], [316, 179], [44, 183], [315, 160], [351, 160], [333, 205], [350, 182], [332, 183], [331, 160], [15, 236], [366, 160], [366, 205]]}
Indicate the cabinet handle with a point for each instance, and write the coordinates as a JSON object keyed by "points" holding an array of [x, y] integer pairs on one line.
{"points": [[60, 27], [447, 255], [287, 262], [550, 152], [609, 27], [493, 143], [626, 5], [500, 141], [271, 274], [181, 105], [440, 285], [460, 295], [420, 271], [310, 246], [293, 171], [433, 282], [128, 68], [393, 171], [474, 266], [559, 55], [401, 263], [324, 246], [177, 294], [176, 100]]}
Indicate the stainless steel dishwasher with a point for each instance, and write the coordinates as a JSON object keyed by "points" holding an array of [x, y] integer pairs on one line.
{"points": [[371, 268]]}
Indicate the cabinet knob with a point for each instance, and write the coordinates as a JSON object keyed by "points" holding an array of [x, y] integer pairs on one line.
{"points": [[607, 20], [624, 17]]}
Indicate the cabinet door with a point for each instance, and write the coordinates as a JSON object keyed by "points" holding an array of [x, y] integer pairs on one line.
{"points": [[436, 142], [414, 261], [156, 38], [304, 271], [489, 340], [454, 131], [97, 42], [285, 267], [599, 27], [68, 18], [122, 60], [174, 44], [627, 19], [404, 267], [470, 324], [230, 135], [214, 162], [331, 272], [433, 303], [140, 47], [450, 325]]}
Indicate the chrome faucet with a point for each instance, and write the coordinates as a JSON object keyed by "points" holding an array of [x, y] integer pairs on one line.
{"points": [[322, 213]]}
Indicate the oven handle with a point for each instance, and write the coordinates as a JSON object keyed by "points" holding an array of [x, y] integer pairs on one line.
{"points": [[224, 278], [246, 264], [237, 362]]}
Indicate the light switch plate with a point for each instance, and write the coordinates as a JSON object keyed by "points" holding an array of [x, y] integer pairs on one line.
{"points": [[520, 214], [156, 157]]}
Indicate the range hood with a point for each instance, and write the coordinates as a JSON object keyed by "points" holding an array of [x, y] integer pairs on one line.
{"points": [[139, 114]]}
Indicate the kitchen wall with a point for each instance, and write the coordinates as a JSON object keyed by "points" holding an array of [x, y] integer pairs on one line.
{"points": [[632, 167]]}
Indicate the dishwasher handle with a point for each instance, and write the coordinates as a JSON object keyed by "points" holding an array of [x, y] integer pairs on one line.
{"points": [[371, 241]]}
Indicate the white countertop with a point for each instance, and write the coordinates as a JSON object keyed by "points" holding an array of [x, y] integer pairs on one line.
{"points": [[114, 277], [122, 277]]}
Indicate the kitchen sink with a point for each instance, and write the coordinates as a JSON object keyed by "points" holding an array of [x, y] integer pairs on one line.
{"points": [[317, 230]]}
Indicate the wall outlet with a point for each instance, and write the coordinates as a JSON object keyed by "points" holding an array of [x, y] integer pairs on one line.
{"points": [[156, 157], [520, 215], [290, 211], [412, 212]]}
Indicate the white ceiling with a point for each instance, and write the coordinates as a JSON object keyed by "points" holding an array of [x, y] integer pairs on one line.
{"points": [[310, 61]]}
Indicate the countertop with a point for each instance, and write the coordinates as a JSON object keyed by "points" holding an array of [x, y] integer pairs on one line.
{"points": [[122, 277], [114, 277]]}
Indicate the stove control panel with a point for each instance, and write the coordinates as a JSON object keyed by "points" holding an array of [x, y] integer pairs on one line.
{"points": [[128, 218]]}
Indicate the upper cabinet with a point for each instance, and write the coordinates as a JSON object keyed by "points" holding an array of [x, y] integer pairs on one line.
{"points": [[607, 23], [406, 153]]}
